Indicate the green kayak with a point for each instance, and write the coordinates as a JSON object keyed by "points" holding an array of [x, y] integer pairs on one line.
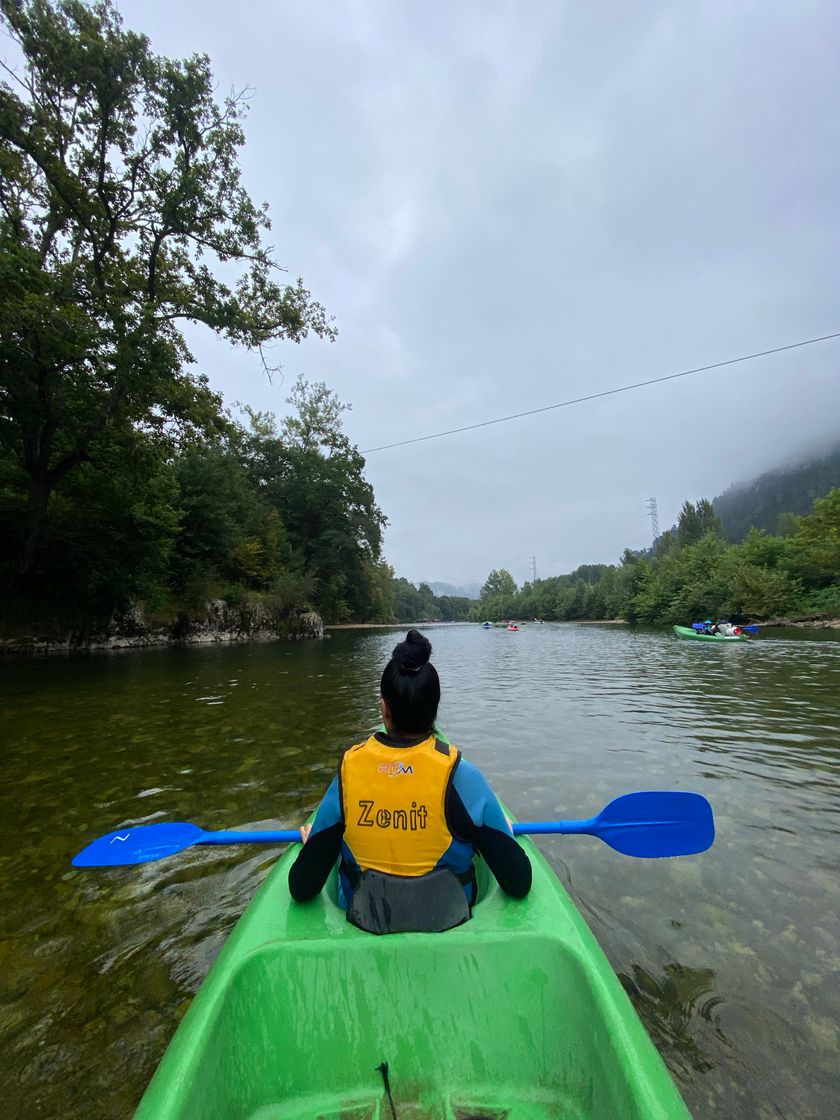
{"points": [[515, 1014], [698, 636]]}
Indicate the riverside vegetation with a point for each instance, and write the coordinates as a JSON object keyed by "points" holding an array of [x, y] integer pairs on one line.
{"points": [[692, 572], [122, 478]]}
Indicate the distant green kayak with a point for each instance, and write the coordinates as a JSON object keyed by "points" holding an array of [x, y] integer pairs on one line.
{"points": [[516, 1013], [699, 636]]}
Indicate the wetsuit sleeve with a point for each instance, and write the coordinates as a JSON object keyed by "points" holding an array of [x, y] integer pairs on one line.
{"points": [[476, 815], [311, 869]]}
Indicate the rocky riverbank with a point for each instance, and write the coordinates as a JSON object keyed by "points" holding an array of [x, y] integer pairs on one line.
{"points": [[218, 621], [808, 622]]}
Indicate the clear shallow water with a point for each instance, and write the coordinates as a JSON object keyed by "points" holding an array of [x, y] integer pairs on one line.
{"points": [[732, 958]]}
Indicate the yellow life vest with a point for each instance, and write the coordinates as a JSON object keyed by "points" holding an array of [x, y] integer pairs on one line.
{"points": [[392, 800]]}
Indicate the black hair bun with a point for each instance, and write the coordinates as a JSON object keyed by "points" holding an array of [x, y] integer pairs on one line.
{"points": [[413, 653]]}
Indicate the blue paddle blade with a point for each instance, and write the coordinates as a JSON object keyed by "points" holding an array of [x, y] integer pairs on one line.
{"points": [[657, 823], [648, 824], [139, 845]]}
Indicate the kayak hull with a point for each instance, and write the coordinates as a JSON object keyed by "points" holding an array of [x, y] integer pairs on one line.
{"points": [[517, 1011], [698, 636]]}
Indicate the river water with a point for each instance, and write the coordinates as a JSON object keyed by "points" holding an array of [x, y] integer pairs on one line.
{"points": [[731, 957]]}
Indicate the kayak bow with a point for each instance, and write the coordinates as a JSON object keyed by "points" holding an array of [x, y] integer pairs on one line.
{"points": [[516, 1012]]}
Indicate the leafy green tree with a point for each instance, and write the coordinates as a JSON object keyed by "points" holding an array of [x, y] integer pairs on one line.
{"points": [[314, 477], [816, 543], [120, 201], [632, 578], [695, 522], [608, 588], [499, 584], [499, 597], [665, 542], [760, 549], [575, 606], [407, 601], [429, 605], [756, 591], [786, 524], [454, 608], [381, 594], [222, 522], [109, 540]]}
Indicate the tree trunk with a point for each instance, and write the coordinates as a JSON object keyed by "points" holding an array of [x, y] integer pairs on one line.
{"points": [[37, 503]]}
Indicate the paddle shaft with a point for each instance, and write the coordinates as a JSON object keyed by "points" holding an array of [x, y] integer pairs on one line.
{"points": [[520, 828], [226, 836], [590, 827], [584, 827]]}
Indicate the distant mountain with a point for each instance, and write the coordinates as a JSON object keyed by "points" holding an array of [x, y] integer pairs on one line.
{"points": [[785, 490], [469, 591]]}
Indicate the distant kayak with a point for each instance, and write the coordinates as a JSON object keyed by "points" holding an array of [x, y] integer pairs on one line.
{"points": [[699, 636], [487, 625], [512, 629]]}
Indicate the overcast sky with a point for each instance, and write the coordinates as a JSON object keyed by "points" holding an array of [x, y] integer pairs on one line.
{"points": [[507, 205]]}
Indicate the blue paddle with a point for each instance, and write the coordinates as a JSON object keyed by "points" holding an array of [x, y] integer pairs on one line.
{"points": [[746, 629], [637, 824], [652, 824]]}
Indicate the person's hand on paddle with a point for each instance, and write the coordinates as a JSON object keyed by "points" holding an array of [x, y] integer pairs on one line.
{"points": [[305, 829]]}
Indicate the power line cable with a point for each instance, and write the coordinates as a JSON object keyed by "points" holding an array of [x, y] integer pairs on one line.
{"points": [[606, 393]]}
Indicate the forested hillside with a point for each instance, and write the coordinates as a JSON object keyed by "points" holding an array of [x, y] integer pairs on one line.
{"points": [[767, 501]]}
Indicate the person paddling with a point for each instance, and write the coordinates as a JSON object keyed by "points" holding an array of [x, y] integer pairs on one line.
{"points": [[405, 814]]}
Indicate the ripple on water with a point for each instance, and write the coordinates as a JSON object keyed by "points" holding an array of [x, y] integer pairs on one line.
{"points": [[730, 957]]}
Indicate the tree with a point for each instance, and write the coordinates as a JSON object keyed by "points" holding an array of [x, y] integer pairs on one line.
{"points": [[500, 584], [407, 601], [816, 543], [120, 202], [222, 521], [314, 477], [454, 608], [499, 596], [695, 522], [109, 540]]}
